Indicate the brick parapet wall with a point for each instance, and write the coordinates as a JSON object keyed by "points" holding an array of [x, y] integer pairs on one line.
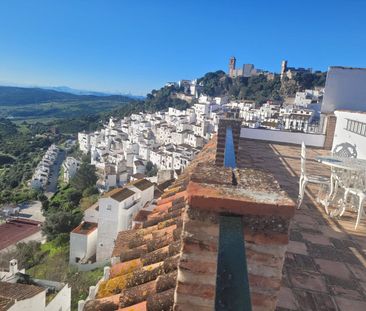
{"points": [[196, 280], [331, 120], [266, 212], [224, 123]]}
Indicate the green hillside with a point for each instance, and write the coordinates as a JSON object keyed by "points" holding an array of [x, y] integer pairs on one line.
{"points": [[20, 96], [35, 104], [259, 88]]}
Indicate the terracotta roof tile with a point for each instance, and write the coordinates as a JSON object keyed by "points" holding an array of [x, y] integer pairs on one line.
{"points": [[161, 301], [137, 294], [6, 303], [142, 184], [163, 206], [85, 228], [142, 215], [125, 267], [103, 304], [146, 277], [119, 194], [137, 307], [19, 291], [138, 175]]}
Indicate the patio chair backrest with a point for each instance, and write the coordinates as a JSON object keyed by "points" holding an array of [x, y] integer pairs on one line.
{"points": [[303, 159], [345, 150]]}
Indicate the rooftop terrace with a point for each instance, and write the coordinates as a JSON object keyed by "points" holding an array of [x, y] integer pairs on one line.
{"points": [[325, 263], [171, 257]]}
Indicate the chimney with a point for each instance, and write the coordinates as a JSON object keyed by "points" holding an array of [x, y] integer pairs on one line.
{"points": [[235, 234], [13, 266]]}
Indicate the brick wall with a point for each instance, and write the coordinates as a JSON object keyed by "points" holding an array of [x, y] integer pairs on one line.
{"points": [[329, 131], [265, 211], [224, 123]]}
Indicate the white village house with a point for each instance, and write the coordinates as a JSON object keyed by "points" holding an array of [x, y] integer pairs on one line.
{"points": [[19, 292], [93, 239], [70, 167]]}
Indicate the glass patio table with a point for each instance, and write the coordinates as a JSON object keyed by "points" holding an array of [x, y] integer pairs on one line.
{"points": [[351, 168]]}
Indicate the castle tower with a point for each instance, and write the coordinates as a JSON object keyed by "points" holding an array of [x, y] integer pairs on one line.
{"points": [[283, 68], [232, 64]]}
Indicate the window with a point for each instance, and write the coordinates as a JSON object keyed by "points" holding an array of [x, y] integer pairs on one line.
{"points": [[109, 207], [356, 127]]}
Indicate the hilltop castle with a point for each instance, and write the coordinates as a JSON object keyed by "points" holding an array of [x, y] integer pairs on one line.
{"points": [[247, 70], [289, 72]]}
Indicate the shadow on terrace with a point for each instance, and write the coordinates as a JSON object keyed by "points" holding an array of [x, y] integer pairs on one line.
{"points": [[325, 264]]}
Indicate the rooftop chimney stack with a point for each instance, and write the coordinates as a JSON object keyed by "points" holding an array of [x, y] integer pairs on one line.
{"points": [[13, 266]]}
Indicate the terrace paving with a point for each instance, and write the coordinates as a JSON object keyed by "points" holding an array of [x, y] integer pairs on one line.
{"points": [[325, 264]]}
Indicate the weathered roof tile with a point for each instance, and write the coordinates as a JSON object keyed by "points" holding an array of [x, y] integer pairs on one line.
{"points": [[19, 291], [146, 276]]}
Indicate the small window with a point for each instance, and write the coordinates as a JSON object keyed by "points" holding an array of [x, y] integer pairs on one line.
{"points": [[109, 207]]}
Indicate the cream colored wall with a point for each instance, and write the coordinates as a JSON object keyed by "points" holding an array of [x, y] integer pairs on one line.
{"points": [[36, 303], [62, 301], [342, 135]]}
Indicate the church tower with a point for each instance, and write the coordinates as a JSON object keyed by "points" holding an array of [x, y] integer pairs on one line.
{"points": [[232, 64]]}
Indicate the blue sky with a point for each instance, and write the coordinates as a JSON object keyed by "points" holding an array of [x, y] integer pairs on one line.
{"points": [[135, 46]]}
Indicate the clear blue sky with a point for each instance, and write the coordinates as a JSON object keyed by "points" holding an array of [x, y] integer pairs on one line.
{"points": [[134, 46]]}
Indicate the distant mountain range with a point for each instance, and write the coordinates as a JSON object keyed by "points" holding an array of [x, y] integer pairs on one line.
{"points": [[70, 90], [14, 96]]}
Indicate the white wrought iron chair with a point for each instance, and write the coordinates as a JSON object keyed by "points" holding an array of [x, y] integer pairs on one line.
{"points": [[358, 189], [343, 150], [306, 178], [353, 184]]}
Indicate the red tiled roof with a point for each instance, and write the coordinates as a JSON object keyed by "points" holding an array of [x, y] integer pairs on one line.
{"points": [[142, 215], [119, 194], [145, 278], [142, 184], [138, 176], [16, 230], [6, 303], [85, 228], [19, 291]]}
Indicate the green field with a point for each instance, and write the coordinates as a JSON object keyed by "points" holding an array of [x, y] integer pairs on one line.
{"points": [[55, 110], [41, 105]]}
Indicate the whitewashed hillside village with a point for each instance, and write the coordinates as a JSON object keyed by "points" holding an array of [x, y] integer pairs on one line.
{"points": [[170, 140], [42, 172]]}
